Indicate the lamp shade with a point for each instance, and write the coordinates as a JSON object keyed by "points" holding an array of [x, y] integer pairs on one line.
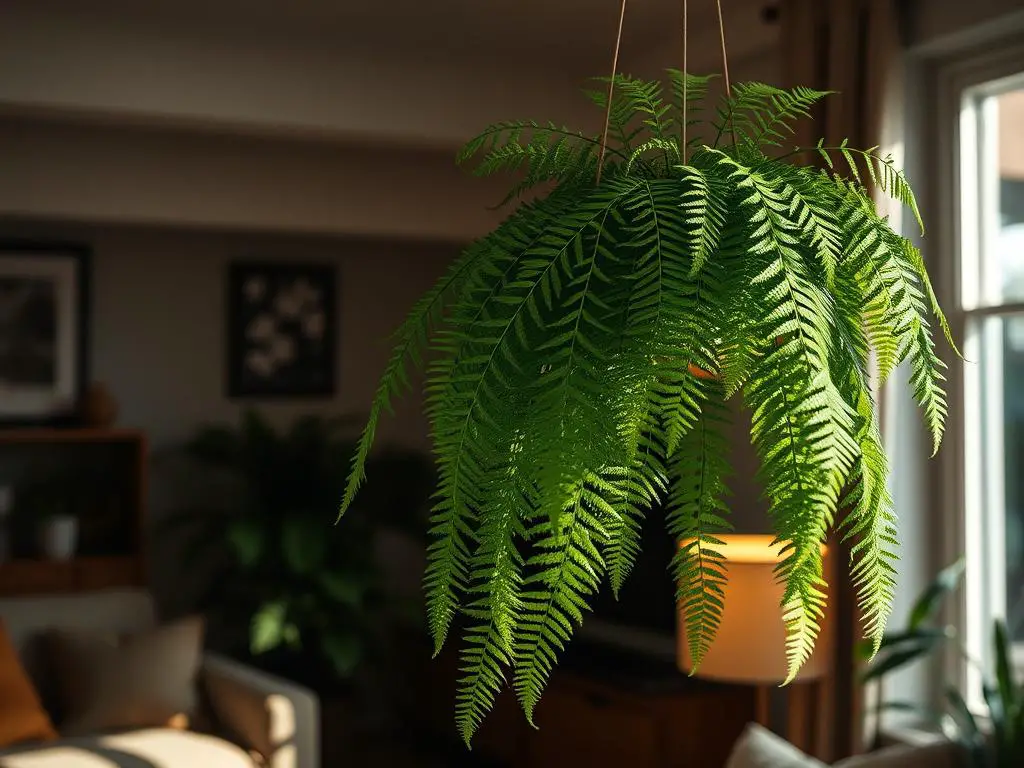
{"points": [[750, 645]]}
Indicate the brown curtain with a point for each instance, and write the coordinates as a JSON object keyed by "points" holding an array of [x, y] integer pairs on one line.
{"points": [[852, 47]]}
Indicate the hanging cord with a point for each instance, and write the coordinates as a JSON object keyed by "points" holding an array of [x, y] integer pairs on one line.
{"points": [[611, 93], [686, 79], [725, 56]]}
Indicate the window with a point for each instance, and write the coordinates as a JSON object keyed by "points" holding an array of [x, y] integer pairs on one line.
{"points": [[990, 312]]}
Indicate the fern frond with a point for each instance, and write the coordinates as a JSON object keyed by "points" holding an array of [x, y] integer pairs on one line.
{"points": [[568, 568], [926, 380], [645, 98], [872, 523], [543, 152], [916, 259], [689, 288], [696, 518], [669, 149], [643, 484], [801, 425], [410, 340], [624, 123], [762, 114], [704, 209], [456, 424], [696, 90], [926, 377], [497, 581], [881, 170]]}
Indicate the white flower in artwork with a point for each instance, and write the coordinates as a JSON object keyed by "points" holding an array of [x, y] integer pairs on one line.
{"points": [[288, 304], [260, 362], [313, 325], [255, 289], [261, 328], [282, 349]]}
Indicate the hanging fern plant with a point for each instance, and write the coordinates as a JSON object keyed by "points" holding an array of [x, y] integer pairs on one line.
{"points": [[582, 355]]}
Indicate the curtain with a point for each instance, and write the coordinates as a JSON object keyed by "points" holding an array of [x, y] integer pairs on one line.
{"points": [[852, 47]]}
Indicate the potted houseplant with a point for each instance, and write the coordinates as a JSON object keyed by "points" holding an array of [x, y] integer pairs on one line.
{"points": [[992, 738], [582, 353], [293, 597], [921, 636]]}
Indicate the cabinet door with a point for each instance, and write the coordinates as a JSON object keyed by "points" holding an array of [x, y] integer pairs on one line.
{"points": [[583, 727]]}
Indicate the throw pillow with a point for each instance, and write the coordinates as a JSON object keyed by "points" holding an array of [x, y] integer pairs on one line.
{"points": [[939, 755], [758, 747], [22, 717], [108, 683]]}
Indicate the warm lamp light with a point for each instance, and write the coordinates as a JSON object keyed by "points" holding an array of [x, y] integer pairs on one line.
{"points": [[750, 645]]}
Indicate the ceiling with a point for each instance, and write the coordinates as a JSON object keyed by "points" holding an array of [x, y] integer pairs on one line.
{"points": [[578, 34], [416, 73]]}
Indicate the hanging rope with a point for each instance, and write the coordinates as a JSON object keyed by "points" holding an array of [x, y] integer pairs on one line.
{"points": [[611, 93], [725, 56], [686, 79]]}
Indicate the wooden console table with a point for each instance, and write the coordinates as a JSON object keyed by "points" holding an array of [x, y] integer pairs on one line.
{"points": [[604, 709]]}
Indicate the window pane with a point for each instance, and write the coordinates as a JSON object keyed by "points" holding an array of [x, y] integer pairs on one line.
{"points": [[1003, 217], [1012, 333], [995, 431]]}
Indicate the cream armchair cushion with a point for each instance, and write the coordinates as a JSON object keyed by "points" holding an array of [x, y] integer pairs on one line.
{"points": [[149, 747]]}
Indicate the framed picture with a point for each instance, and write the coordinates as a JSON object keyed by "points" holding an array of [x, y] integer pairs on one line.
{"points": [[44, 312], [281, 330]]}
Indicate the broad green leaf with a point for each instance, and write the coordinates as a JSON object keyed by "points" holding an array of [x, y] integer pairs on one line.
{"points": [[247, 538], [304, 541], [292, 636], [911, 641], [927, 605], [268, 627], [345, 588], [897, 659], [343, 650]]}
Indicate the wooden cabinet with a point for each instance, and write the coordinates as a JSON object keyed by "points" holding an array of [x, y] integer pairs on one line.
{"points": [[581, 723], [603, 710], [99, 477]]}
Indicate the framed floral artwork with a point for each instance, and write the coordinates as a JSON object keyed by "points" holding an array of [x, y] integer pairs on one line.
{"points": [[282, 330]]}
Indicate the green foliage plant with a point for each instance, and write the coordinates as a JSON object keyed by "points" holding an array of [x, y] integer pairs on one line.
{"points": [[922, 636], [579, 359], [304, 596], [993, 738], [996, 738]]}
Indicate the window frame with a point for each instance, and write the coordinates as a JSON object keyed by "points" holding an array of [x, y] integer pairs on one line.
{"points": [[942, 78]]}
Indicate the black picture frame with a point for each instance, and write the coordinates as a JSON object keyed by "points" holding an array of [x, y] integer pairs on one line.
{"points": [[40, 388], [281, 330]]}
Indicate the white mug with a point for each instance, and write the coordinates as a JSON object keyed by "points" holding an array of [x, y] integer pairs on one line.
{"points": [[59, 537]]}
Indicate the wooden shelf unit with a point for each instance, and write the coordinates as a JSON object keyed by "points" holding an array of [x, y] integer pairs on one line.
{"points": [[114, 463]]}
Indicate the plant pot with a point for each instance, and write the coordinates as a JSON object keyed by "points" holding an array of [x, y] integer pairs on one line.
{"points": [[99, 408], [701, 373], [58, 537]]}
